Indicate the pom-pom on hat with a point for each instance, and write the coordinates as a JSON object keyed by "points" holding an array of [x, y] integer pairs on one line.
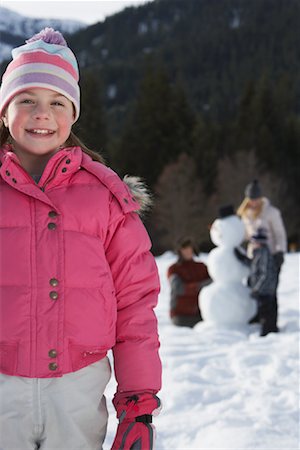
{"points": [[45, 61]]}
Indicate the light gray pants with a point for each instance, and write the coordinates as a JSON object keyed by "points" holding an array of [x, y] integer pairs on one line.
{"points": [[67, 413]]}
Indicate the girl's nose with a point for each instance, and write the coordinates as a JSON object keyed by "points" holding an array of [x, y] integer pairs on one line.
{"points": [[41, 112]]}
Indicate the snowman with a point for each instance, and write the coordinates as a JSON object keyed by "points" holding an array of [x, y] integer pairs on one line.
{"points": [[226, 301]]}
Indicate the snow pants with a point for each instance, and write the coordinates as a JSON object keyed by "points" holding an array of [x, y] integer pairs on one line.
{"points": [[67, 413], [267, 312]]}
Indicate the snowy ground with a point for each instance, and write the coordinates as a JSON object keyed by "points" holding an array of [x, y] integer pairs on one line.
{"points": [[228, 389]]}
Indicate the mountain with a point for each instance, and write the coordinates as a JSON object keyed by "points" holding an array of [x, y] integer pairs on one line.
{"points": [[212, 47], [15, 28]]}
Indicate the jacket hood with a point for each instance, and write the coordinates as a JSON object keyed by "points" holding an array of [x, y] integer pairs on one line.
{"points": [[140, 192]]}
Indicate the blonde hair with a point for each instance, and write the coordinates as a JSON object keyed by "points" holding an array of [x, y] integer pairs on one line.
{"points": [[72, 141], [243, 209]]}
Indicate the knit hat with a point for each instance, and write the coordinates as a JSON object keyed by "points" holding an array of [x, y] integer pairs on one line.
{"points": [[260, 236], [45, 61], [253, 190]]}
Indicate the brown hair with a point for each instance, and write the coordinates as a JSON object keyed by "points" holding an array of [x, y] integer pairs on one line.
{"points": [[72, 141]]}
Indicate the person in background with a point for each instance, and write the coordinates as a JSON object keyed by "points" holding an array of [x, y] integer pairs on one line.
{"points": [[77, 276], [262, 281], [256, 211], [186, 278]]}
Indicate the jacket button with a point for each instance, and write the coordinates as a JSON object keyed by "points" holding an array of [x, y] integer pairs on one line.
{"points": [[53, 282], [125, 200], [52, 213], [53, 366], [52, 353], [7, 173], [53, 295], [64, 169], [68, 161], [51, 226]]}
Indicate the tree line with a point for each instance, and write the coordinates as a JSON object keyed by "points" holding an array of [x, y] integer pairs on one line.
{"points": [[192, 163]]}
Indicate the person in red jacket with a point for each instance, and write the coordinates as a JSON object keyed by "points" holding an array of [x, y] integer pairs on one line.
{"points": [[186, 277], [77, 277]]}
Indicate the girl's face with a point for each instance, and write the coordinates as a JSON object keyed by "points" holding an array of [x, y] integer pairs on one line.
{"points": [[39, 121]]}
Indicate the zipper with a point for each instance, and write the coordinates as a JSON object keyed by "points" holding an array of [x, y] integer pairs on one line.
{"points": [[37, 407]]}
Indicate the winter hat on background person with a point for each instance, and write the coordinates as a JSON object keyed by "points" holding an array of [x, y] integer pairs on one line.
{"points": [[45, 61], [253, 190], [260, 236]]}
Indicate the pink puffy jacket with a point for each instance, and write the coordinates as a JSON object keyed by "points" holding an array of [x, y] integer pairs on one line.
{"points": [[76, 276]]}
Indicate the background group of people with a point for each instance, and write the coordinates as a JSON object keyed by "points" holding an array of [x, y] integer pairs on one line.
{"points": [[266, 243]]}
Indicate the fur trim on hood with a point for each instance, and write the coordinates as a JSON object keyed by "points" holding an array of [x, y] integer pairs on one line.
{"points": [[140, 192]]}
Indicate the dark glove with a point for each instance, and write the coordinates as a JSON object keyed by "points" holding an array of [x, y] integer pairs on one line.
{"points": [[135, 429], [278, 259], [241, 256]]}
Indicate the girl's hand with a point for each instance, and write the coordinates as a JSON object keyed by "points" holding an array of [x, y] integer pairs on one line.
{"points": [[133, 435], [135, 430]]}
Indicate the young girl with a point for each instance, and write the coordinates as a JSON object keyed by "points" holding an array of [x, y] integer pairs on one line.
{"points": [[77, 276]]}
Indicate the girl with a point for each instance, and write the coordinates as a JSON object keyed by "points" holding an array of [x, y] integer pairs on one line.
{"points": [[77, 277]]}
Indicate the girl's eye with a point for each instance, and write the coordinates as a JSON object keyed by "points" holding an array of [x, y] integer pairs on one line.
{"points": [[26, 100], [56, 103]]}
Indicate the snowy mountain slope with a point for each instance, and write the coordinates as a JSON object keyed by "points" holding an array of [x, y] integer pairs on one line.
{"points": [[15, 28], [228, 389]]}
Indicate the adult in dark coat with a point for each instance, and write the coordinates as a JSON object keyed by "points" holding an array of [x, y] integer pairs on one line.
{"points": [[186, 277]]}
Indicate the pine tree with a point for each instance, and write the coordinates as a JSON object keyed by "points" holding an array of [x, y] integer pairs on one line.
{"points": [[91, 127], [158, 130]]}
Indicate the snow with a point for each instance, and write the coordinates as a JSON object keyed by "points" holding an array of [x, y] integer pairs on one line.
{"points": [[226, 388]]}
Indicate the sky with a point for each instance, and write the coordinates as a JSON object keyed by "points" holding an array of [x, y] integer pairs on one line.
{"points": [[227, 388], [85, 11]]}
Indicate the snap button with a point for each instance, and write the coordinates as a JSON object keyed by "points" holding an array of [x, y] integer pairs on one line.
{"points": [[51, 226], [7, 173], [68, 161], [53, 366], [52, 353], [53, 282], [14, 180], [52, 213], [64, 169], [53, 295], [125, 200]]}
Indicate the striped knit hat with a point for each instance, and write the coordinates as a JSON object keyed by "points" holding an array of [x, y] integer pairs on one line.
{"points": [[45, 61]]}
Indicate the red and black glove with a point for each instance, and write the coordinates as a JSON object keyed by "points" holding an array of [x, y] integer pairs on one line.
{"points": [[135, 430]]}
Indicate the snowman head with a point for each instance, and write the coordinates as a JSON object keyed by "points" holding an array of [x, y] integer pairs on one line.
{"points": [[227, 231]]}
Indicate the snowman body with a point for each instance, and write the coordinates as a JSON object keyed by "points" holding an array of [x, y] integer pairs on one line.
{"points": [[227, 301]]}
